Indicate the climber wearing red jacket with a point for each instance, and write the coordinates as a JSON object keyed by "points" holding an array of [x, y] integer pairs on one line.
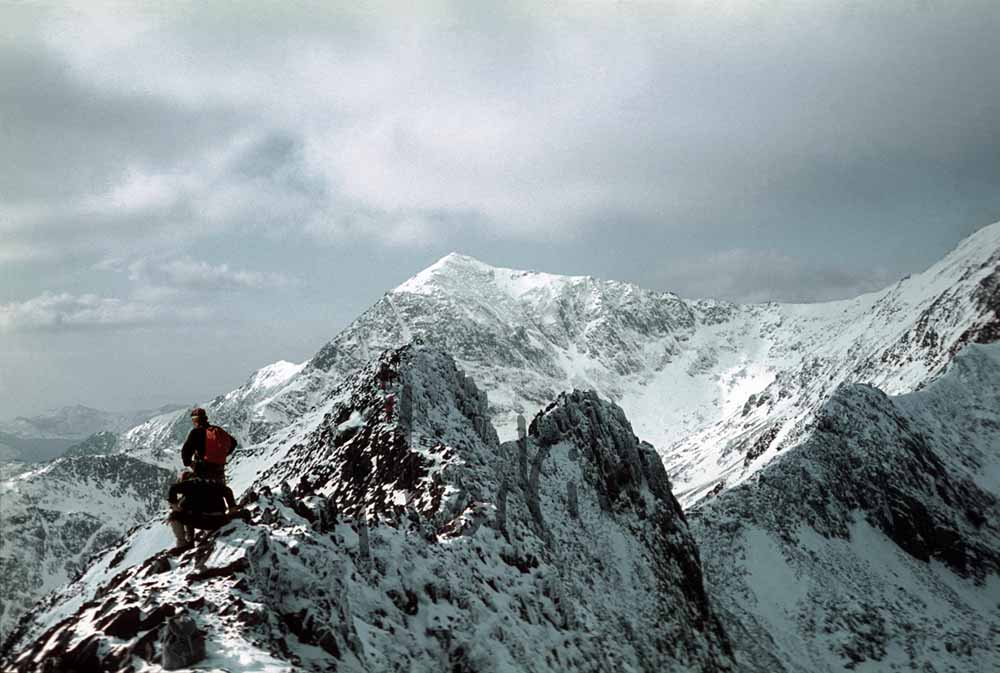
{"points": [[207, 447]]}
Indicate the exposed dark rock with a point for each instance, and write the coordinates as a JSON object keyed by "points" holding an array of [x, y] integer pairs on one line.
{"points": [[614, 460], [157, 565], [762, 442], [156, 617], [572, 504], [987, 296], [406, 601], [122, 624]]}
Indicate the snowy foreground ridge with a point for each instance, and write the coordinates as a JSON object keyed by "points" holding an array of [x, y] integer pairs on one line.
{"points": [[838, 528], [418, 544]]}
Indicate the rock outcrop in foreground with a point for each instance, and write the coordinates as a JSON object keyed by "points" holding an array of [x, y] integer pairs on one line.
{"points": [[399, 534]]}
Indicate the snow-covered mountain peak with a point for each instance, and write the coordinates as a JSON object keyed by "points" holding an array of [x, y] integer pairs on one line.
{"points": [[451, 265], [463, 276], [721, 390], [274, 375], [718, 388]]}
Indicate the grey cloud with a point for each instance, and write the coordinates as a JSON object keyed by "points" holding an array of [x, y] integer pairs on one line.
{"points": [[630, 141], [756, 276], [62, 138], [520, 122], [64, 311], [187, 273]]}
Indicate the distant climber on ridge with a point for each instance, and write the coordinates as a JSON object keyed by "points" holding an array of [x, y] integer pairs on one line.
{"points": [[207, 447], [196, 502]]}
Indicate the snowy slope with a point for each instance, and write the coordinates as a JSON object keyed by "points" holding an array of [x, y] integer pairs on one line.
{"points": [[875, 544], [898, 339], [271, 398], [719, 389], [56, 516], [581, 561]]}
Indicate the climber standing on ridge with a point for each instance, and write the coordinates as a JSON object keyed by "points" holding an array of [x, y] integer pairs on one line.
{"points": [[207, 447]]}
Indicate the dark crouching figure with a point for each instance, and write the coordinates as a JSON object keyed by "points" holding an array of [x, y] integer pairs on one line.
{"points": [[196, 502], [207, 447]]}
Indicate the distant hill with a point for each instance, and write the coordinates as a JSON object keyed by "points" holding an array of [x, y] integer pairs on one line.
{"points": [[36, 439]]}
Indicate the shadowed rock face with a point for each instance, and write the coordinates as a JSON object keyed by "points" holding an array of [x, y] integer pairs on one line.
{"points": [[405, 535], [628, 480], [987, 296], [867, 458], [373, 453], [616, 462]]}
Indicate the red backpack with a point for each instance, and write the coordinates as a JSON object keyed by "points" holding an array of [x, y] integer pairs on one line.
{"points": [[218, 443]]}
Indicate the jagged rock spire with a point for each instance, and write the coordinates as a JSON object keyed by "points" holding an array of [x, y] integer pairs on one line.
{"points": [[375, 543]]}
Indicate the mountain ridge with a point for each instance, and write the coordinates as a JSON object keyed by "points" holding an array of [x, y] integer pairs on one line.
{"points": [[873, 545], [718, 388], [441, 555]]}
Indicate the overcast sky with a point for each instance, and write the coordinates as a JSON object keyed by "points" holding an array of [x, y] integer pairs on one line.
{"points": [[189, 191]]}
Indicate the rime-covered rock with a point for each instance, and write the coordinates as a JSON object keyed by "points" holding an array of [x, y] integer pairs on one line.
{"points": [[720, 390]]}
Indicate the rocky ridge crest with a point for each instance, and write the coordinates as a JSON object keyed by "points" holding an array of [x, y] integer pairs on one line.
{"points": [[441, 553]]}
